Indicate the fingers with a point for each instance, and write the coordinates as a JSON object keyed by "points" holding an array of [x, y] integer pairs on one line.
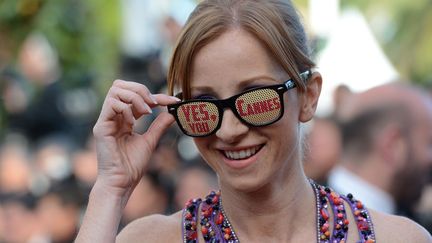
{"points": [[141, 90], [137, 88], [138, 96], [113, 112], [157, 128], [127, 101], [164, 100], [138, 104]]}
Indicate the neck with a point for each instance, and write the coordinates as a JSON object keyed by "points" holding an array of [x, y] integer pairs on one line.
{"points": [[277, 211], [370, 170]]}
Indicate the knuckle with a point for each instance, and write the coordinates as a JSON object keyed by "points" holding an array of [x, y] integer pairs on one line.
{"points": [[117, 82], [134, 97], [114, 89], [145, 89], [110, 101]]}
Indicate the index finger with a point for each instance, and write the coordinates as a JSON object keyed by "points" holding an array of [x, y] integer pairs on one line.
{"points": [[138, 88], [163, 99]]}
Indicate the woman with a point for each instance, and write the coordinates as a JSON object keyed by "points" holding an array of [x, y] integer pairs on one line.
{"points": [[247, 84]]}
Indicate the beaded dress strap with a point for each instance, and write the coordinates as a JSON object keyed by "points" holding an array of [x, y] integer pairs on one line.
{"points": [[189, 221], [363, 220], [215, 226], [340, 224], [324, 197]]}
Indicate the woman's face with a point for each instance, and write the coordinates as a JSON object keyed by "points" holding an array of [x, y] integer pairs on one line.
{"points": [[245, 157]]}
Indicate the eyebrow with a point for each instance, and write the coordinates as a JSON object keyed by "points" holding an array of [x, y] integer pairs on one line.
{"points": [[241, 84]]}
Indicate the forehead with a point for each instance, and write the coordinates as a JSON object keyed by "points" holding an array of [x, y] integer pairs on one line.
{"points": [[235, 55]]}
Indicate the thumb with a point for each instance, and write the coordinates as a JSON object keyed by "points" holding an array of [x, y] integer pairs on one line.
{"points": [[157, 128]]}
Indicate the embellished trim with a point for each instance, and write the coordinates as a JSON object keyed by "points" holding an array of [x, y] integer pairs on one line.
{"points": [[189, 221], [215, 226], [362, 218], [327, 197]]}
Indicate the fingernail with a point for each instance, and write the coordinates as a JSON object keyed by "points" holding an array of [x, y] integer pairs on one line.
{"points": [[149, 109], [153, 99]]}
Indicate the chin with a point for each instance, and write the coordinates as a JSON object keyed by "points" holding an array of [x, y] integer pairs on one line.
{"points": [[244, 183]]}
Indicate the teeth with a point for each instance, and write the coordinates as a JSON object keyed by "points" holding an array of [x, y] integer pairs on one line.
{"points": [[241, 154]]}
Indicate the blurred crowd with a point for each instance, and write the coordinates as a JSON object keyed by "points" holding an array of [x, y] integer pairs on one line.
{"points": [[377, 145], [48, 161], [44, 187]]}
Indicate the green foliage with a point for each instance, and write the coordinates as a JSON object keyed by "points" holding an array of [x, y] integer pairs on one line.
{"points": [[84, 33], [409, 43]]}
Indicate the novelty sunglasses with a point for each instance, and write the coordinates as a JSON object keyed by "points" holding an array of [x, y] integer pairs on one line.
{"points": [[256, 107]]}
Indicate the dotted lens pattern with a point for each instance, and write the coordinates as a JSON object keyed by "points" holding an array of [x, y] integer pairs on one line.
{"points": [[259, 107], [198, 118]]}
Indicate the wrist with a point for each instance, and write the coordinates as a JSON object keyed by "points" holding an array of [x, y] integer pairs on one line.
{"points": [[103, 213], [105, 191]]}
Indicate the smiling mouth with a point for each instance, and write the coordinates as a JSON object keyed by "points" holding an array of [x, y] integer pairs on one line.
{"points": [[242, 154]]}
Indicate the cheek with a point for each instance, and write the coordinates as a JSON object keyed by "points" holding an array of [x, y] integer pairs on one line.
{"points": [[422, 152], [289, 123], [204, 148], [295, 109], [200, 144], [286, 135], [426, 155]]}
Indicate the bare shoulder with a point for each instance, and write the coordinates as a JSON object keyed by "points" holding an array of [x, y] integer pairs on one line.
{"points": [[391, 228], [154, 228]]}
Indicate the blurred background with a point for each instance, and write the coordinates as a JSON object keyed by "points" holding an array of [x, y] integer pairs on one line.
{"points": [[58, 59]]}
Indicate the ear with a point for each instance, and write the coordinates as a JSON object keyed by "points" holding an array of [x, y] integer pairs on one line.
{"points": [[392, 146], [309, 97]]}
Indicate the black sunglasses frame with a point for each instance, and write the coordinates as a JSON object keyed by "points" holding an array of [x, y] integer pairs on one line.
{"points": [[230, 103]]}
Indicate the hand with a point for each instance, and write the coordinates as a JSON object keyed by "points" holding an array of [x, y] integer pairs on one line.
{"points": [[123, 155]]}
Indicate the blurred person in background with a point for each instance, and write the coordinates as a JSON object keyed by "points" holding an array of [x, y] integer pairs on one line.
{"points": [[52, 159], [423, 211], [387, 147], [50, 164], [195, 180], [84, 165], [323, 148], [151, 196], [39, 66], [5, 50], [20, 221], [341, 95], [166, 160], [15, 94], [149, 31], [2, 223], [15, 168], [59, 210]]}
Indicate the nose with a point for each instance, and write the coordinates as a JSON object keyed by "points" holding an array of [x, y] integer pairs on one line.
{"points": [[231, 129]]}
